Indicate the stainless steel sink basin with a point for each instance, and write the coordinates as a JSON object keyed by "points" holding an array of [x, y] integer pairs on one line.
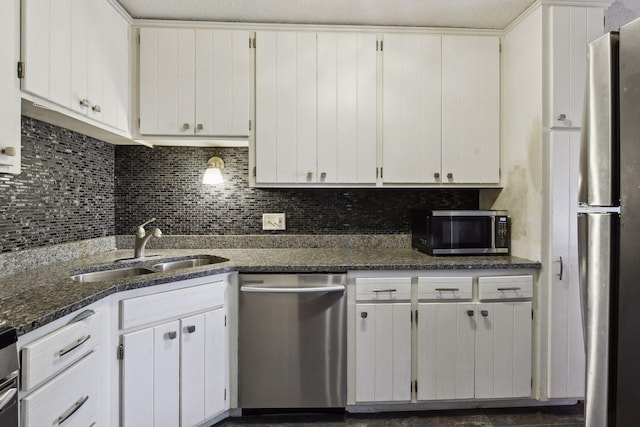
{"points": [[107, 275], [188, 263]]}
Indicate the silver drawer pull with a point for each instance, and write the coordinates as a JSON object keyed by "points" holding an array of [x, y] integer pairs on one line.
{"points": [[82, 316], [508, 289], [191, 328], [77, 343], [384, 290], [96, 108], [172, 335], [85, 102], [65, 416], [448, 289], [484, 313]]}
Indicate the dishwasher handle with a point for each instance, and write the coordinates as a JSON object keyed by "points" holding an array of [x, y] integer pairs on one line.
{"points": [[304, 290]]}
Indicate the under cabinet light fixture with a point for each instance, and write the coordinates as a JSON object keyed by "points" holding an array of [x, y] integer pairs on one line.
{"points": [[213, 174]]}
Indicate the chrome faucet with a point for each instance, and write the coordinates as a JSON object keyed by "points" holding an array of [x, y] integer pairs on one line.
{"points": [[142, 238]]}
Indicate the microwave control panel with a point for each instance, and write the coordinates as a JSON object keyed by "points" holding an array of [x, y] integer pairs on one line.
{"points": [[502, 232]]}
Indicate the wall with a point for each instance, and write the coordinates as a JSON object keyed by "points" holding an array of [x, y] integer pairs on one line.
{"points": [[165, 183], [522, 136], [65, 192]]}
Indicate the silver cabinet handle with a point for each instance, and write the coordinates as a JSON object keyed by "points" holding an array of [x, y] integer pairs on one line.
{"points": [[484, 313], [265, 290], [448, 289], [562, 117], [450, 175], [77, 343], [508, 289], [561, 269], [6, 397], [470, 313], [96, 108], [309, 175], [364, 314], [172, 335], [85, 102], [191, 328], [74, 408], [383, 290], [323, 175], [436, 175], [185, 126], [199, 126], [81, 316]]}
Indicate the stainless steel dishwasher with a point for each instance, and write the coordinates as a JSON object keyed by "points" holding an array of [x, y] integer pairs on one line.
{"points": [[292, 341]]}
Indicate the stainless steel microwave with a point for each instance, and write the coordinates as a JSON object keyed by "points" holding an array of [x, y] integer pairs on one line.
{"points": [[461, 232]]}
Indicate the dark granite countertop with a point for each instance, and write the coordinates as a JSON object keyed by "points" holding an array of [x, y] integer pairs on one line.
{"points": [[36, 297]]}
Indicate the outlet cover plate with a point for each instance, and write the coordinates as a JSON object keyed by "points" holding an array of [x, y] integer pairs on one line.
{"points": [[273, 221]]}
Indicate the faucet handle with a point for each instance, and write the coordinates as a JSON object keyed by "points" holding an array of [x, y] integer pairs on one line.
{"points": [[145, 223]]}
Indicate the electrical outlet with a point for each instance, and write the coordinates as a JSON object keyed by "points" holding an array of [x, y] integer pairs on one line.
{"points": [[273, 221]]}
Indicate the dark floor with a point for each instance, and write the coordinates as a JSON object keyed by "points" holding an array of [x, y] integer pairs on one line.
{"points": [[568, 416]]}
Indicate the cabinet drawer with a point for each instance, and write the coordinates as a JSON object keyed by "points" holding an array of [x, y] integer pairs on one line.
{"points": [[445, 288], [50, 354], [505, 287], [165, 305], [71, 399], [383, 289]]}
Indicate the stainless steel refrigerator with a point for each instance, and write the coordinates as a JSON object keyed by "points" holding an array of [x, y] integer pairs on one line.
{"points": [[609, 229]]}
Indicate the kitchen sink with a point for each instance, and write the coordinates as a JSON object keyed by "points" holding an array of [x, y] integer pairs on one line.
{"points": [[107, 275], [188, 263]]}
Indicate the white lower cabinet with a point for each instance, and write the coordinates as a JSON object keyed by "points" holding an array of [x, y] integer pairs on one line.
{"points": [[473, 338], [175, 373], [383, 341]]}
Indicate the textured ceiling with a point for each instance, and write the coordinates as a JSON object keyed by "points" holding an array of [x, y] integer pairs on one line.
{"points": [[489, 14]]}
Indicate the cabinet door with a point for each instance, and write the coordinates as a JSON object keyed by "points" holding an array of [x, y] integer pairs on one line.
{"points": [[347, 108], [221, 82], [571, 29], [470, 109], [446, 350], [10, 84], [115, 102], [192, 370], [216, 369], [383, 352], [503, 350], [47, 49], [151, 377], [285, 106], [79, 56], [96, 39], [411, 128], [566, 343], [167, 78]]}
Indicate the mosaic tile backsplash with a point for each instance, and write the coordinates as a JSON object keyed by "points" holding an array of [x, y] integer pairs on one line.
{"points": [[65, 192], [166, 183]]}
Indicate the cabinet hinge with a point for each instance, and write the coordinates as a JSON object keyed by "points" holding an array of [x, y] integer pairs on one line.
{"points": [[21, 70], [120, 355]]}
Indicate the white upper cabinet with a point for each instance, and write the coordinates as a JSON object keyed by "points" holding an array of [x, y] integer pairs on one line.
{"points": [[315, 108], [9, 87], [76, 55], [570, 30], [470, 110], [412, 108], [194, 82]]}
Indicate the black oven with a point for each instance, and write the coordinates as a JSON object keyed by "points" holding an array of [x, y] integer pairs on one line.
{"points": [[461, 232]]}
